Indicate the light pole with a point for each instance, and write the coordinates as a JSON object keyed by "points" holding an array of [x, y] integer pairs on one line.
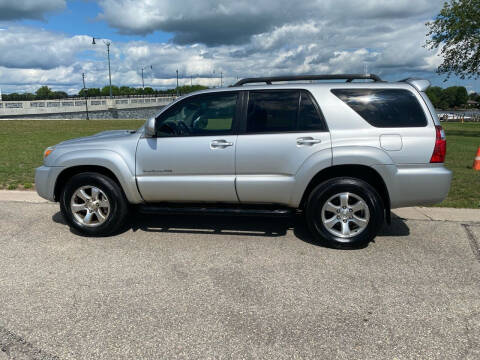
{"points": [[221, 79], [85, 93], [107, 43], [143, 69], [177, 82]]}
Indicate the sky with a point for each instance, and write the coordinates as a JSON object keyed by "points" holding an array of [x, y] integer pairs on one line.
{"points": [[49, 42]]}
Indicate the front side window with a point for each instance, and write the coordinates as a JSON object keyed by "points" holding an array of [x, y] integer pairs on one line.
{"points": [[209, 114], [384, 107], [282, 111]]}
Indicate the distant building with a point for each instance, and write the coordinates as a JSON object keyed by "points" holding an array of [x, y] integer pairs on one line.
{"points": [[473, 104]]}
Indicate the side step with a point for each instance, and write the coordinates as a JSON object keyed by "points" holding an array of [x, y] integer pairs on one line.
{"points": [[227, 210]]}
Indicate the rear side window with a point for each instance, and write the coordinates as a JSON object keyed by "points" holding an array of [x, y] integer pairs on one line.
{"points": [[384, 108], [308, 117], [282, 111]]}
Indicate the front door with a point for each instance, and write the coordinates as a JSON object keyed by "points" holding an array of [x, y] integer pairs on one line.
{"points": [[192, 158]]}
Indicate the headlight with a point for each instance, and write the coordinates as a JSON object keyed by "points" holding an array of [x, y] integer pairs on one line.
{"points": [[48, 151]]}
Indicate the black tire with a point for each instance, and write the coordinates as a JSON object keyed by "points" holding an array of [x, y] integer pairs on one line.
{"points": [[118, 204], [358, 189]]}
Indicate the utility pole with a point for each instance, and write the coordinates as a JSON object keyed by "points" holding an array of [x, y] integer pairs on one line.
{"points": [[85, 93], [191, 80], [221, 79], [143, 83], [177, 82]]}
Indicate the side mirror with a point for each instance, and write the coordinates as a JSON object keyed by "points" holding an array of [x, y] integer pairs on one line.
{"points": [[150, 127]]}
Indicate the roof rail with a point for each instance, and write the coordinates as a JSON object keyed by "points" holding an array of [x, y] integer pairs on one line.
{"points": [[347, 77]]}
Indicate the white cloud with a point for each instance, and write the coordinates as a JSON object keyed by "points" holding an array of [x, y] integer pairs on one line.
{"points": [[26, 47], [331, 36], [28, 9], [216, 22]]}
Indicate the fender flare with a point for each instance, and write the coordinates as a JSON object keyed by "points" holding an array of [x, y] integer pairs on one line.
{"points": [[108, 159]]}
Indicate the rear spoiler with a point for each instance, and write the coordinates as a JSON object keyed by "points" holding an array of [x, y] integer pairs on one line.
{"points": [[419, 84]]}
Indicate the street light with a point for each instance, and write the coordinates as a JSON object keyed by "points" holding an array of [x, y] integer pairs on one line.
{"points": [[85, 93], [177, 82], [143, 83], [107, 43]]}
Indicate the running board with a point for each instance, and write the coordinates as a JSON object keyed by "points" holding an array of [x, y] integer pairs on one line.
{"points": [[215, 210]]}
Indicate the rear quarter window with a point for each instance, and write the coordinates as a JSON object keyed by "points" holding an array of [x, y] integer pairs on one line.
{"points": [[384, 108]]}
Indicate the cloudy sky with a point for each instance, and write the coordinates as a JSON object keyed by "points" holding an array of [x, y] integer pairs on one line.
{"points": [[49, 42]]}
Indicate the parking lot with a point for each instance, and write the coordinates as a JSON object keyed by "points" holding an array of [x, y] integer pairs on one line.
{"points": [[214, 287]]}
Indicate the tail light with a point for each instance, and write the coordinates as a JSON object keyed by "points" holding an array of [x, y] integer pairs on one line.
{"points": [[440, 149]]}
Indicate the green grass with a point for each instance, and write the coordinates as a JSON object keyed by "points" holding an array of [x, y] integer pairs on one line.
{"points": [[462, 143], [22, 143]]}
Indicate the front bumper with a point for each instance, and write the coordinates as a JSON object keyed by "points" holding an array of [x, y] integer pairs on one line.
{"points": [[45, 179]]}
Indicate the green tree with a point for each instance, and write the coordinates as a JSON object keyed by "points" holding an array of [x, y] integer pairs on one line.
{"points": [[58, 95], [148, 91], [43, 93], [474, 96], [461, 96], [188, 89], [434, 93], [126, 90], [106, 90], [456, 31], [91, 92]]}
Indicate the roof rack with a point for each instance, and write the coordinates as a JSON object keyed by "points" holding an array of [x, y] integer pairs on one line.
{"points": [[347, 77]]}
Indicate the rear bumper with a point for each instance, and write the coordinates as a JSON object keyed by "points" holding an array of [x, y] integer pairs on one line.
{"points": [[414, 185], [45, 179]]}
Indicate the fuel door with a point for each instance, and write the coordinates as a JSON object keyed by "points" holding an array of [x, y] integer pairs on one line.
{"points": [[391, 142]]}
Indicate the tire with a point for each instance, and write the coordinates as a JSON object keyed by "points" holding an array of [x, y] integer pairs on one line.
{"points": [[354, 219], [98, 195]]}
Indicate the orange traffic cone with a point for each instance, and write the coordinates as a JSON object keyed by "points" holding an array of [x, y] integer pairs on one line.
{"points": [[476, 161]]}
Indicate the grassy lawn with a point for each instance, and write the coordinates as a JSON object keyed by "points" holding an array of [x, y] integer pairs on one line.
{"points": [[462, 143], [22, 143]]}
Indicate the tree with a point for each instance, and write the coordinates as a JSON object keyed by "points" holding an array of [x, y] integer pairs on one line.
{"points": [[90, 92], [43, 93], [434, 93], [58, 95], [106, 90], [461, 96], [456, 30], [474, 96], [449, 98]]}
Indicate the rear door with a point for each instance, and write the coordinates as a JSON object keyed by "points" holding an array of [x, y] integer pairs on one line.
{"points": [[281, 129]]}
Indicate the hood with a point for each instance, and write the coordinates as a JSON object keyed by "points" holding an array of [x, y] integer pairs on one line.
{"points": [[99, 137]]}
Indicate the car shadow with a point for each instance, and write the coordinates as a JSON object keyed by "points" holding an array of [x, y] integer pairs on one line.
{"points": [[235, 225]]}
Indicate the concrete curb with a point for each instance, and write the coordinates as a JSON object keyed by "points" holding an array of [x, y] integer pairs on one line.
{"points": [[410, 213], [21, 196]]}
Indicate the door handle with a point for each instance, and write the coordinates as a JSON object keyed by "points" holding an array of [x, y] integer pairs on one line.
{"points": [[308, 141], [220, 144]]}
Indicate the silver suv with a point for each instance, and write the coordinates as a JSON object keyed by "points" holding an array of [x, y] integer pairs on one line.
{"points": [[342, 151]]}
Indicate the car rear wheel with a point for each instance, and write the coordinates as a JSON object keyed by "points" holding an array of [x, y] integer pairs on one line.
{"points": [[344, 212], [93, 204]]}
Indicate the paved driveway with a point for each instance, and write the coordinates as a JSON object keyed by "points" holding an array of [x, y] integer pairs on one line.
{"points": [[234, 288]]}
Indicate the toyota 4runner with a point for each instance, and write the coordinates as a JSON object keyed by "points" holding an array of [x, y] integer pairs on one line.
{"points": [[343, 152]]}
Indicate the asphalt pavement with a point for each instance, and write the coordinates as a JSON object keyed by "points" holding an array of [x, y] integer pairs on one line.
{"points": [[235, 288]]}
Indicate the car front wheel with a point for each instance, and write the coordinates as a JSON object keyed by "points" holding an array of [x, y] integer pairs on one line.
{"points": [[93, 204], [344, 212]]}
